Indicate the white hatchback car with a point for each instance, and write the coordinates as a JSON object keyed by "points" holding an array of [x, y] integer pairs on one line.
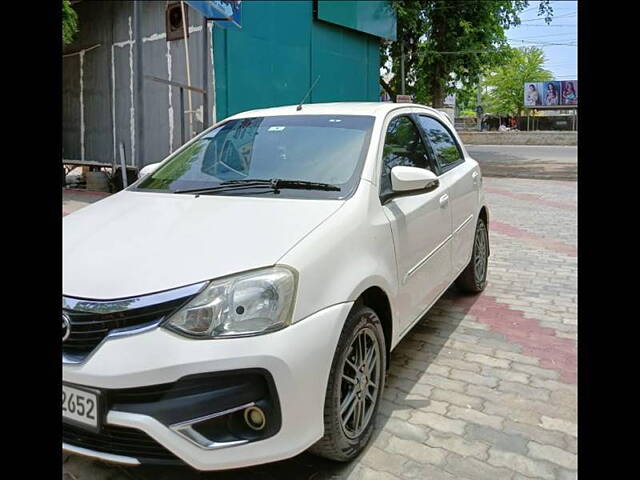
{"points": [[237, 305]]}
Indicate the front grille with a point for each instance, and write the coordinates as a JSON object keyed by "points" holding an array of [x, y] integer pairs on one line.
{"points": [[88, 328], [119, 441], [200, 395]]}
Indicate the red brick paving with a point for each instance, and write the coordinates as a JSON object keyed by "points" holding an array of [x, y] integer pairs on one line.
{"points": [[519, 233], [527, 314], [531, 197]]}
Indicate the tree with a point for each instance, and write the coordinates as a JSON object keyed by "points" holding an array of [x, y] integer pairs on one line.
{"points": [[69, 23], [506, 83], [466, 97], [449, 42]]}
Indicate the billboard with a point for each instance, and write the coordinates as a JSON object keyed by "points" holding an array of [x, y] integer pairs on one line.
{"points": [[551, 94], [224, 13]]}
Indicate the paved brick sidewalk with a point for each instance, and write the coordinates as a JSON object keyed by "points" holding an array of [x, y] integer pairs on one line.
{"points": [[483, 387]]}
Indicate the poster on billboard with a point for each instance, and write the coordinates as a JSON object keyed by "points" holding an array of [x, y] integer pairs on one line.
{"points": [[553, 93], [569, 92]]}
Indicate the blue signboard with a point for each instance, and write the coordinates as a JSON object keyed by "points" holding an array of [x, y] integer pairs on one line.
{"points": [[224, 13]]}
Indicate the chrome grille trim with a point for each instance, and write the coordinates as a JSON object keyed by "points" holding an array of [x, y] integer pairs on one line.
{"points": [[94, 322], [130, 303]]}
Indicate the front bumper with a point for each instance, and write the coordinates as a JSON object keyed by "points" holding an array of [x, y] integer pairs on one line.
{"points": [[297, 359]]}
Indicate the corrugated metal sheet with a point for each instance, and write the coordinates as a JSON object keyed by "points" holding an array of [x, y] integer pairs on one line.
{"points": [[273, 60], [97, 106]]}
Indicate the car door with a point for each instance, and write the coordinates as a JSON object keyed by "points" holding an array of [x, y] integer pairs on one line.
{"points": [[462, 178], [420, 223]]}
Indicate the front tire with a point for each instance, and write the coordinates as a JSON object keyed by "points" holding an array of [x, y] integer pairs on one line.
{"points": [[473, 278], [356, 381]]}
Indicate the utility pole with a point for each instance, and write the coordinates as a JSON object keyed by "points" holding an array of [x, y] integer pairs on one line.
{"points": [[402, 66], [479, 109]]}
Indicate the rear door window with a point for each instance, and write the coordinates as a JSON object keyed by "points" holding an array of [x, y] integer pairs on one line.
{"points": [[445, 148]]}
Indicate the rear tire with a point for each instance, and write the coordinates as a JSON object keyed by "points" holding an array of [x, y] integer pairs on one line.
{"points": [[473, 278], [356, 381]]}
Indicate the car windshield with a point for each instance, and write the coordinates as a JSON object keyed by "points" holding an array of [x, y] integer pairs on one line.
{"points": [[310, 148]]}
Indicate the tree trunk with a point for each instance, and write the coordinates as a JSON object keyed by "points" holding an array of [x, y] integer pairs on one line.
{"points": [[439, 73], [436, 86]]}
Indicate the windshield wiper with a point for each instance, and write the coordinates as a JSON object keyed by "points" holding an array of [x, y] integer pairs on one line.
{"points": [[274, 184]]}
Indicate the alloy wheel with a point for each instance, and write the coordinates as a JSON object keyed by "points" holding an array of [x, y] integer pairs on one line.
{"points": [[481, 254], [360, 382]]}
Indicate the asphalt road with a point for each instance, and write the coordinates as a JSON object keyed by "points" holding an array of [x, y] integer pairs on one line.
{"points": [[527, 161]]}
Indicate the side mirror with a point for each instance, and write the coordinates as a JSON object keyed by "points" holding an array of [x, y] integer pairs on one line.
{"points": [[410, 179], [149, 169]]}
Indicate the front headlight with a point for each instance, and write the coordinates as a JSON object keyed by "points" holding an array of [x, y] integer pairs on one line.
{"points": [[246, 304]]}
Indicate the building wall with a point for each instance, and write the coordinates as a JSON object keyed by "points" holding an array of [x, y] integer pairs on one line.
{"points": [[281, 50], [273, 60], [98, 101]]}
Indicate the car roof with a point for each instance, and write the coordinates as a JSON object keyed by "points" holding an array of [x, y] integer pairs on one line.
{"points": [[336, 108]]}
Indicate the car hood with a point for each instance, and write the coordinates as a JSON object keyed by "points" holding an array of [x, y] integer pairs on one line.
{"points": [[135, 243]]}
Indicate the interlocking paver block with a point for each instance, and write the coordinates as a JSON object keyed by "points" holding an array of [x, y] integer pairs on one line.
{"points": [[554, 454], [418, 452], [521, 464], [524, 390], [459, 445], [487, 360], [570, 428], [457, 398], [438, 422], [508, 375], [382, 460], [420, 471], [471, 377], [497, 438], [484, 386], [405, 430], [537, 433], [476, 469], [474, 416]]}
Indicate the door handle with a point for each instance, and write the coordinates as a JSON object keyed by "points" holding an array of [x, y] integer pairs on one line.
{"points": [[444, 200]]}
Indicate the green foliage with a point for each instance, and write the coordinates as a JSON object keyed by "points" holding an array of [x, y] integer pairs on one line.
{"points": [[505, 85], [450, 42], [69, 23], [466, 98], [467, 113]]}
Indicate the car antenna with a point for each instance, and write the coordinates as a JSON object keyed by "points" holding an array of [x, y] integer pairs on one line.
{"points": [[299, 107]]}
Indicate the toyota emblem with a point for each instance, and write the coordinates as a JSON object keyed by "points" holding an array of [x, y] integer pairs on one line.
{"points": [[66, 327]]}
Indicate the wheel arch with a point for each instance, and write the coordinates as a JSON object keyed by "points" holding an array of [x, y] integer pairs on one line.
{"points": [[377, 299], [484, 215]]}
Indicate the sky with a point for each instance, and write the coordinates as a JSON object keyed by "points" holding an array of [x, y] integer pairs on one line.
{"points": [[562, 59]]}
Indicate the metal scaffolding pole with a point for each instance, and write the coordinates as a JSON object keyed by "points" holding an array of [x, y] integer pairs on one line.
{"points": [[139, 84], [185, 28], [205, 73]]}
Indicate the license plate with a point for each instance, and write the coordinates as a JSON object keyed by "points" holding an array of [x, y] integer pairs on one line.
{"points": [[81, 406]]}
